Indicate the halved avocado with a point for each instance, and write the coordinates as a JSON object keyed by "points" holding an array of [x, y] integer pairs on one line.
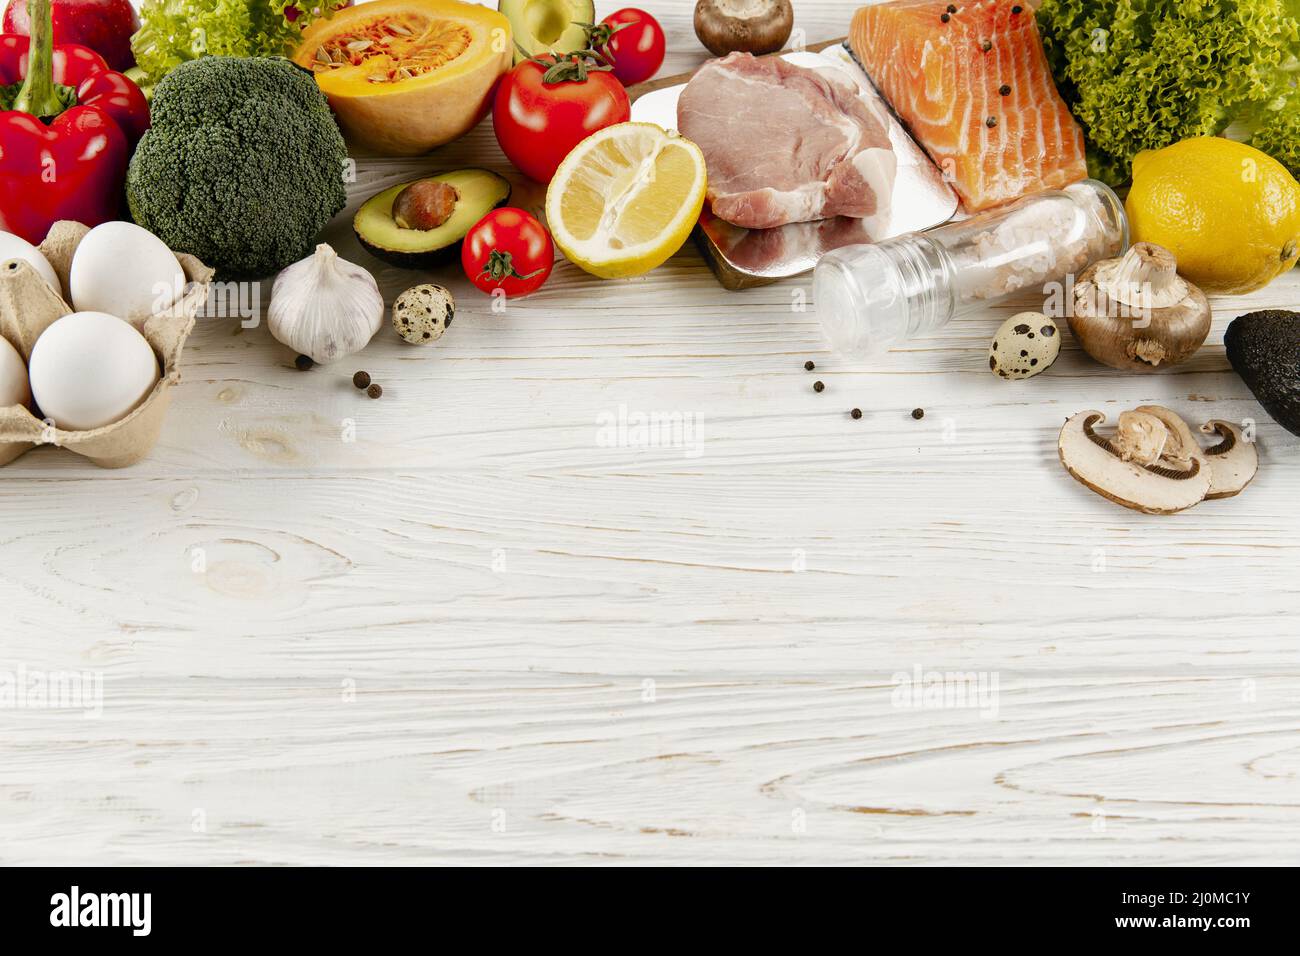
{"points": [[548, 26], [479, 191]]}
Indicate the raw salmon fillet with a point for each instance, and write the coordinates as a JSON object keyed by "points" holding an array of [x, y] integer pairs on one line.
{"points": [[975, 91]]}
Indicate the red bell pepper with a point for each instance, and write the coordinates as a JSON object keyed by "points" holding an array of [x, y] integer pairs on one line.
{"points": [[67, 133]]}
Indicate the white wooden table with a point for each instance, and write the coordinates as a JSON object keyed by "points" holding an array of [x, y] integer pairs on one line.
{"points": [[491, 629]]}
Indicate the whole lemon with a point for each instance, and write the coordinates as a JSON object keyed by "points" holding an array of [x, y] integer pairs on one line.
{"points": [[1229, 213]]}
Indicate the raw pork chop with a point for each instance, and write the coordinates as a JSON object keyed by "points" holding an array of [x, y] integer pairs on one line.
{"points": [[784, 143], [975, 90]]}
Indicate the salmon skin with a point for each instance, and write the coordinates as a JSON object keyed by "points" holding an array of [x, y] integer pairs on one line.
{"points": [[975, 91]]}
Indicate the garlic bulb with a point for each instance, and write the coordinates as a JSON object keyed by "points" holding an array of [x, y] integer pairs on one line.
{"points": [[325, 307]]}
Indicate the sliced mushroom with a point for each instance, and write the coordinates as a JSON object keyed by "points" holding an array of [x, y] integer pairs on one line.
{"points": [[1140, 437], [1182, 446], [748, 26], [1152, 488], [1137, 313], [1233, 461]]}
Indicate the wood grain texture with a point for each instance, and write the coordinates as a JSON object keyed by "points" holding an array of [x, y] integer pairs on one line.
{"points": [[472, 623]]}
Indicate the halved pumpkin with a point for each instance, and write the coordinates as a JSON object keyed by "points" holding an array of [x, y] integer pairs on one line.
{"points": [[404, 76]]}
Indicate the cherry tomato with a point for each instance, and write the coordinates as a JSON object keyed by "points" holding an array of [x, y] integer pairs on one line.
{"points": [[508, 249], [635, 46], [538, 123]]}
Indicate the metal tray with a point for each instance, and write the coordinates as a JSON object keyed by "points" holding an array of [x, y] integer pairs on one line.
{"points": [[742, 258]]}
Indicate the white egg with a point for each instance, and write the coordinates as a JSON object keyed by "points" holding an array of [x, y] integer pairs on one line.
{"points": [[16, 247], [90, 369], [13, 377], [124, 270]]}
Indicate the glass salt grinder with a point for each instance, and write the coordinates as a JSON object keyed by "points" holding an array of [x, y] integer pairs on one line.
{"points": [[874, 296]]}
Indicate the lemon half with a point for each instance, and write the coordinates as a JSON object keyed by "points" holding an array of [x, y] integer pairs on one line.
{"points": [[626, 199]]}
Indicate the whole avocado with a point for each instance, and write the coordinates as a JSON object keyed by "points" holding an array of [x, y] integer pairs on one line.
{"points": [[1264, 349], [242, 167]]}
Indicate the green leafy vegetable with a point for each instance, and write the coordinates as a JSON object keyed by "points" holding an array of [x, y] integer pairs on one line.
{"points": [[1142, 74], [1277, 133], [173, 31], [242, 167]]}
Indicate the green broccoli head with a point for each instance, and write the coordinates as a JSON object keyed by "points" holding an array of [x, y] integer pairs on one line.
{"points": [[243, 166]]}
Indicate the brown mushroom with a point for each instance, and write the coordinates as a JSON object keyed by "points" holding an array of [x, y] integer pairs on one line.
{"points": [[1137, 313], [748, 26]]}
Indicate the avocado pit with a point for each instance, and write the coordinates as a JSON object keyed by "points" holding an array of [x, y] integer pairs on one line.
{"points": [[425, 204], [420, 224]]}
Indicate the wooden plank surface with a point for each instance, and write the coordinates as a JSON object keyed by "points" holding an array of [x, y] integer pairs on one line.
{"points": [[475, 622]]}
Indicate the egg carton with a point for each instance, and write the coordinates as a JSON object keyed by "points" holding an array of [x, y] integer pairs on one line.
{"points": [[28, 306]]}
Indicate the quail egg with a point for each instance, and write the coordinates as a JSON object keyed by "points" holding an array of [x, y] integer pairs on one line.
{"points": [[422, 313], [1026, 344]]}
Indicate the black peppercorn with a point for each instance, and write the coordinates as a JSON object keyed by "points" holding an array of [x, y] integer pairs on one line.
{"points": [[856, 413], [809, 366], [945, 18], [374, 391], [952, 8], [1004, 90], [303, 362], [1016, 9], [986, 46], [991, 122], [361, 379], [918, 413], [818, 386]]}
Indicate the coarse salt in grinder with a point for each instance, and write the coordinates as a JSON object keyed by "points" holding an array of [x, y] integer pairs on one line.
{"points": [[872, 297]]}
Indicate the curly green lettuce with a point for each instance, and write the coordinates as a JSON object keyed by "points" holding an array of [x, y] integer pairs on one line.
{"points": [[174, 31], [1142, 74], [1277, 132]]}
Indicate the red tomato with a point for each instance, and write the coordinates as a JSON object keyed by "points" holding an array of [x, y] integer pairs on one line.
{"points": [[635, 45], [508, 249], [538, 123]]}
